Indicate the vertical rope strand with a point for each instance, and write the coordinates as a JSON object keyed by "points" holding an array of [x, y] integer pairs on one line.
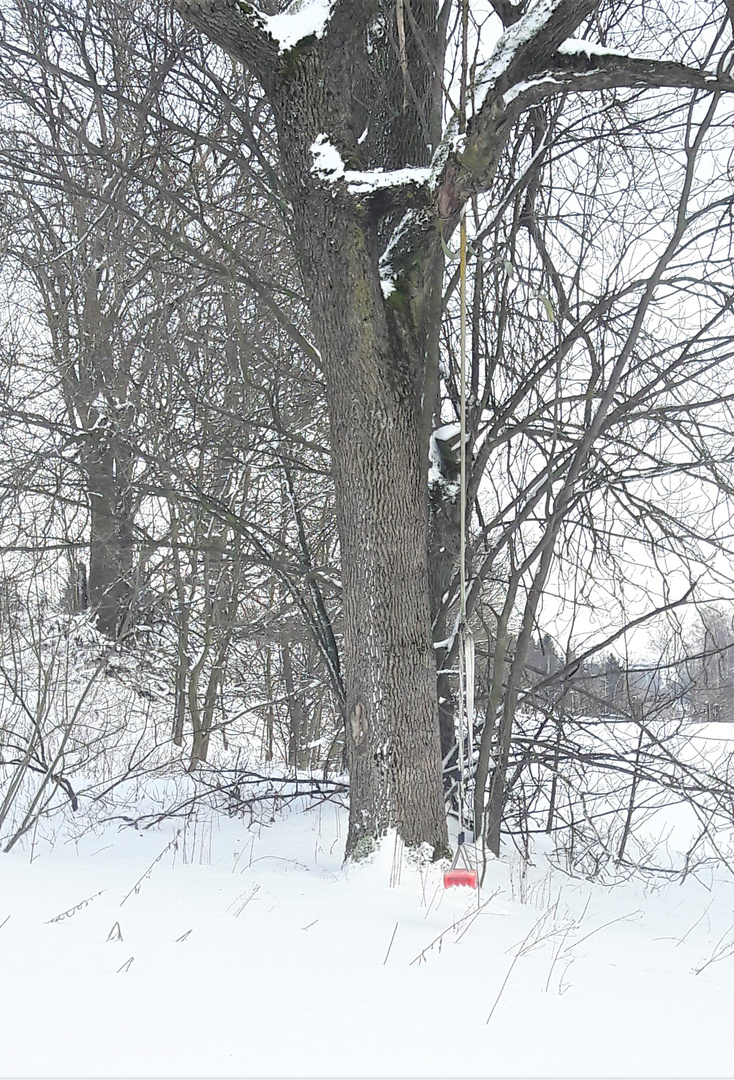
{"points": [[462, 320], [464, 717]]}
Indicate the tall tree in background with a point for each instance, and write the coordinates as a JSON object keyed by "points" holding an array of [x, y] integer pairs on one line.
{"points": [[355, 86], [151, 406], [74, 163]]}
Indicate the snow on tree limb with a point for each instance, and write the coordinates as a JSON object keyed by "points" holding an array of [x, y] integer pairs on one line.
{"points": [[536, 58], [543, 27], [329, 166], [574, 46], [618, 70], [258, 40]]}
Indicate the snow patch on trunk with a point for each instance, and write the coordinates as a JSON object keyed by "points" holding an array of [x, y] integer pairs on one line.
{"points": [[304, 18], [327, 161]]}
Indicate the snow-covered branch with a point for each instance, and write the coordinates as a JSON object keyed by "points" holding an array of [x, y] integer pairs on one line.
{"points": [[259, 40], [543, 28], [329, 167], [536, 58], [583, 72]]}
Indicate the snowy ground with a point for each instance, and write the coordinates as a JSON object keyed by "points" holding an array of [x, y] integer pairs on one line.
{"points": [[236, 952]]}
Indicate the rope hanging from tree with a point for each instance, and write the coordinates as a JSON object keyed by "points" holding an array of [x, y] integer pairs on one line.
{"points": [[467, 875]]}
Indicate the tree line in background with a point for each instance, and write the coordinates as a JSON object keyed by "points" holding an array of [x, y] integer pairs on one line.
{"points": [[229, 482]]}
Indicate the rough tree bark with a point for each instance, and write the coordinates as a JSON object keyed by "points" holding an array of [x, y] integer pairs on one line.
{"points": [[379, 352], [373, 364]]}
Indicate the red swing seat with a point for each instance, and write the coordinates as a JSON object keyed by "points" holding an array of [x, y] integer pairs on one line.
{"points": [[459, 876]]}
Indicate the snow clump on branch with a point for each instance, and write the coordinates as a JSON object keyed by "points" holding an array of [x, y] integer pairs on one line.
{"points": [[574, 46], [329, 166], [302, 19], [523, 31]]}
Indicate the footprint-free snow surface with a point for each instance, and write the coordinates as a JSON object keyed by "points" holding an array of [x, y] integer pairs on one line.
{"points": [[214, 948]]}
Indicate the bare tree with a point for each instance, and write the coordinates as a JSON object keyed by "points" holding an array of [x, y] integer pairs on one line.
{"points": [[184, 223], [373, 287], [158, 406]]}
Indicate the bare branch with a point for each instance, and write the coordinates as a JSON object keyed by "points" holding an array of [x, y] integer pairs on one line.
{"points": [[239, 29]]}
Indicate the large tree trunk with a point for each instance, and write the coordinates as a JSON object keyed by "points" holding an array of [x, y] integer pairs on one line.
{"points": [[374, 363], [375, 360], [374, 377], [393, 734]]}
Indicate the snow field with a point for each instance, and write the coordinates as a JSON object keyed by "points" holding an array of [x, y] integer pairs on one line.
{"points": [[254, 953]]}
